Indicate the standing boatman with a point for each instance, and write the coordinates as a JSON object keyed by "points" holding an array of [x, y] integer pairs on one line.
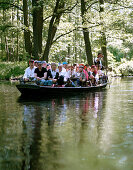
{"points": [[98, 59]]}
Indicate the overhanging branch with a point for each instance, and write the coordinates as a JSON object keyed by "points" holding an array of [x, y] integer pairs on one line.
{"points": [[124, 6], [47, 18], [75, 29], [91, 5], [70, 9], [11, 5], [65, 34]]}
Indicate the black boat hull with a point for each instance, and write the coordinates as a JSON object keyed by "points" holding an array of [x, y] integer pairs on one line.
{"points": [[32, 90]]}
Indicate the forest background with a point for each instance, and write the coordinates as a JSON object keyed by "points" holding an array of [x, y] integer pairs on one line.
{"points": [[66, 30]]}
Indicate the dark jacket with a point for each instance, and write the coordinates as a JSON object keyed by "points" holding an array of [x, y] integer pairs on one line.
{"points": [[49, 74]]}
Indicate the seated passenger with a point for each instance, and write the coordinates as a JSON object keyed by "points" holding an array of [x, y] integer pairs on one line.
{"points": [[36, 63], [40, 74], [102, 77], [73, 72], [44, 64], [85, 71], [69, 75], [52, 73], [99, 71], [80, 75], [29, 72], [64, 66], [63, 73], [70, 71], [94, 76], [89, 71], [77, 68], [61, 76], [48, 66]]}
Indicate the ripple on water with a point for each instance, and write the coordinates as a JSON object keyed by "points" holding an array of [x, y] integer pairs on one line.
{"points": [[91, 131]]}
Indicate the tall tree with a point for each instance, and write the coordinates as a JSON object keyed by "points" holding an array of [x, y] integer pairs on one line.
{"points": [[86, 34], [17, 51], [37, 27], [28, 43], [103, 35], [54, 22]]}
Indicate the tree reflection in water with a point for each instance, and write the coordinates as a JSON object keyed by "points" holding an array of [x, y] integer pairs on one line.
{"points": [[88, 131], [43, 122]]}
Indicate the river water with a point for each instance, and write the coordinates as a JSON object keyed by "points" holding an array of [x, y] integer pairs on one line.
{"points": [[92, 131]]}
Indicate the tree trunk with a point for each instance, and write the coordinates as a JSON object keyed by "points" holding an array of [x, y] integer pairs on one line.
{"points": [[86, 34], [103, 35], [75, 46], [68, 53], [54, 22], [12, 55], [2, 45], [7, 50], [17, 56], [28, 43], [104, 49], [37, 28], [6, 42]]}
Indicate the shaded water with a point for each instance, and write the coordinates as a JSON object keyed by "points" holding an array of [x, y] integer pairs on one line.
{"points": [[91, 131]]}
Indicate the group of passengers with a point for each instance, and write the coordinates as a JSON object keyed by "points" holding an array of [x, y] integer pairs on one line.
{"points": [[64, 74]]}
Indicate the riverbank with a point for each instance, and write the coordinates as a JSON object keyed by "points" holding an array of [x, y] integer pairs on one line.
{"points": [[10, 70], [121, 69]]}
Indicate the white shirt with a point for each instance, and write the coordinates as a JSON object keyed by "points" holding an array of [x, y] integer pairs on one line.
{"points": [[97, 77], [64, 74], [63, 69], [29, 72], [73, 73], [99, 61], [100, 72], [53, 73]]}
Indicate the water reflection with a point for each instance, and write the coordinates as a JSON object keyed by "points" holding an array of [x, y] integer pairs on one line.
{"points": [[87, 131], [50, 125], [10, 129]]}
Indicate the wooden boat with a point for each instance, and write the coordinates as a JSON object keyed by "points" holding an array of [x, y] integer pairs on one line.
{"points": [[33, 89]]}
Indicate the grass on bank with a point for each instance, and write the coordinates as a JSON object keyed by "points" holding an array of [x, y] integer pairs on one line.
{"points": [[12, 69]]}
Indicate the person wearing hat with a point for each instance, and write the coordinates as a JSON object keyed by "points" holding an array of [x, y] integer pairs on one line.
{"points": [[80, 75], [40, 74], [64, 66], [44, 64], [98, 59], [29, 72]]}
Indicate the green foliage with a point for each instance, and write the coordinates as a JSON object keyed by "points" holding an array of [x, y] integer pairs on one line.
{"points": [[4, 27], [11, 69], [117, 53], [118, 31], [125, 68]]}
